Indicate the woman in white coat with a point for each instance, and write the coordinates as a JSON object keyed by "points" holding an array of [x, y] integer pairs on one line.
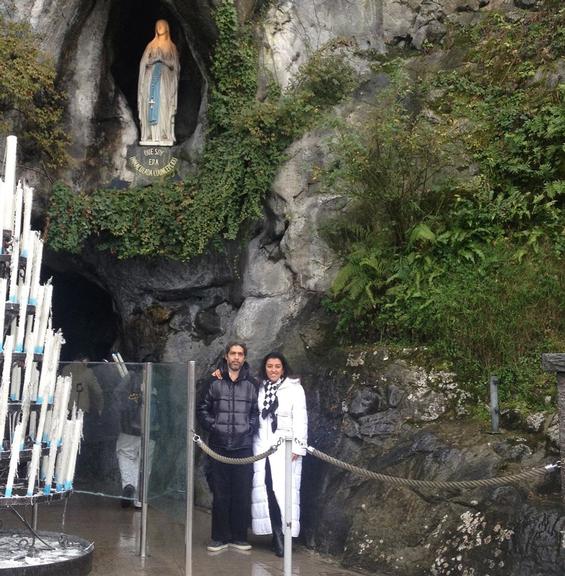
{"points": [[278, 394]]}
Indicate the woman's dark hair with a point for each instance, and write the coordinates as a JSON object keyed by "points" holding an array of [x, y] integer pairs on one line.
{"points": [[276, 356]]}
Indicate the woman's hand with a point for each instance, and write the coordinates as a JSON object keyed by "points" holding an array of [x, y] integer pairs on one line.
{"points": [[217, 373], [295, 456]]}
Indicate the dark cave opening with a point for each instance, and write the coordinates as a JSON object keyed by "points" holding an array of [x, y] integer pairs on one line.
{"points": [[131, 27], [85, 314]]}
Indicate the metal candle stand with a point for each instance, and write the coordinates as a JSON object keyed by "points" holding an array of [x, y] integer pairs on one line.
{"points": [[34, 416], [29, 552]]}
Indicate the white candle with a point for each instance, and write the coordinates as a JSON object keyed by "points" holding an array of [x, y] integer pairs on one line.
{"points": [[50, 468], [14, 263], [15, 383], [26, 407], [26, 388], [18, 211], [47, 427], [44, 464], [14, 459], [63, 456], [53, 425], [47, 366], [30, 336], [7, 217], [62, 394], [5, 386], [75, 445], [120, 364], [37, 259], [36, 320], [32, 424], [10, 181], [33, 468], [54, 363], [23, 300], [34, 382], [26, 227], [41, 423], [58, 422], [44, 317], [3, 291]]}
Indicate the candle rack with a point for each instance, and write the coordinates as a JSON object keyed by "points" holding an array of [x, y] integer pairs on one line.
{"points": [[5, 261], [39, 432]]}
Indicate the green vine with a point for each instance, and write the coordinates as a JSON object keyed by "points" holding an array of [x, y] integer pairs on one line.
{"points": [[455, 232], [30, 103], [245, 146]]}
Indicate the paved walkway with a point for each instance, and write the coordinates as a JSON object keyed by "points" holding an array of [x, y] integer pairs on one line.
{"points": [[115, 532]]}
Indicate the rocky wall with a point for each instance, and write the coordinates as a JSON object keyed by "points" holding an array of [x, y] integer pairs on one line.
{"points": [[373, 411]]}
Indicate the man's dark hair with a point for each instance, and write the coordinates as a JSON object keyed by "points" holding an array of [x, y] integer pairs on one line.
{"points": [[236, 343], [275, 356]]}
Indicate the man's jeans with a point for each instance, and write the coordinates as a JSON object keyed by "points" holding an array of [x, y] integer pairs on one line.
{"points": [[231, 487]]}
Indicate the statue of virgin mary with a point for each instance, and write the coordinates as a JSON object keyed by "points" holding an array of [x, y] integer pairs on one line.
{"points": [[157, 88]]}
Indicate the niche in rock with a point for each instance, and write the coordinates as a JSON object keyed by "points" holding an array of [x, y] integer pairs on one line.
{"points": [[131, 27], [84, 312]]}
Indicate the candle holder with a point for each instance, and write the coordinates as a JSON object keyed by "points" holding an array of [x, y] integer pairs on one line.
{"points": [[39, 443]]}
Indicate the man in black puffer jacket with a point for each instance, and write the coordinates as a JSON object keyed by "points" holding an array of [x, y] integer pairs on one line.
{"points": [[230, 414]]}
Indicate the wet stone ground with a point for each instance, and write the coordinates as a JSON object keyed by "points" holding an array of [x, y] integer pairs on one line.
{"points": [[115, 532]]}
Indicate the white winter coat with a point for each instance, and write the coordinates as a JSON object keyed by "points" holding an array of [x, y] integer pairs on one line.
{"points": [[291, 400]]}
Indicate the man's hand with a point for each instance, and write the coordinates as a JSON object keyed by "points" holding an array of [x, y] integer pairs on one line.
{"points": [[295, 456]]}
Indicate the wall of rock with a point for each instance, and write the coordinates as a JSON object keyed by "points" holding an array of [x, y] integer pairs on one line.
{"points": [[371, 410], [377, 409], [271, 293]]}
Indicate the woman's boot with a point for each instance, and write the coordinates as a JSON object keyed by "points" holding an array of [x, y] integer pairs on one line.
{"points": [[278, 541]]}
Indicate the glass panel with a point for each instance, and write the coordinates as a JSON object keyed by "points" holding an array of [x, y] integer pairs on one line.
{"points": [[112, 404], [167, 484], [111, 451]]}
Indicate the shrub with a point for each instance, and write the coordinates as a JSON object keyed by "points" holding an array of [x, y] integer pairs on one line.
{"points": [[470, 266]]}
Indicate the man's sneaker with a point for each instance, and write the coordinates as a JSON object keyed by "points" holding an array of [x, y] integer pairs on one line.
{"points": [[216, 546], [127, 496], [240, 545]]}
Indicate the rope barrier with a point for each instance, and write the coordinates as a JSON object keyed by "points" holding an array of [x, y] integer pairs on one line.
{"points": [[408, 482], [411, 483], [237, 461]]}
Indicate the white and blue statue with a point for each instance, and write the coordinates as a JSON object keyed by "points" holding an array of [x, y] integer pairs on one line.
{"points": [[157, 88]]}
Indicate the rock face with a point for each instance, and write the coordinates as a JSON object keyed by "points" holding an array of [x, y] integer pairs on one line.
{"points": [[267, 292], [366, 409]]}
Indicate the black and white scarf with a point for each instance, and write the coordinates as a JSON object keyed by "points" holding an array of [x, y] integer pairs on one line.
{"points": [[271, 401]]}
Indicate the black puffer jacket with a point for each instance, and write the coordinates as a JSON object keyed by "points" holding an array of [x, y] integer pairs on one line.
{"points": [[229, 411]]}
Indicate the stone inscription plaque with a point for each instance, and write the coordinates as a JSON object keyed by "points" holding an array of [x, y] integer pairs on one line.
{"points": [[154, 161]]}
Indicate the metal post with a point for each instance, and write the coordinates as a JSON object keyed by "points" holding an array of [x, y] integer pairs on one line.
{"points": [[285, 426], [145, 437], [288, 504], [494, 408], [556, 363], [190, 419]]}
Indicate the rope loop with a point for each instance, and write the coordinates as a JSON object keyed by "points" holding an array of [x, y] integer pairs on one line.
{"points": [[236, 461], [408, 482], [419, 484]]}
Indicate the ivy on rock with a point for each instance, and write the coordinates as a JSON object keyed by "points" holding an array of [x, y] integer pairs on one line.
{"points": [[245, 147]]}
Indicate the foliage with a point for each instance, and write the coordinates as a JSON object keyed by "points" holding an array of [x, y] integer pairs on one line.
{"points": [[245, 146], [327, 76], [30, 103], [456, 232]]}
